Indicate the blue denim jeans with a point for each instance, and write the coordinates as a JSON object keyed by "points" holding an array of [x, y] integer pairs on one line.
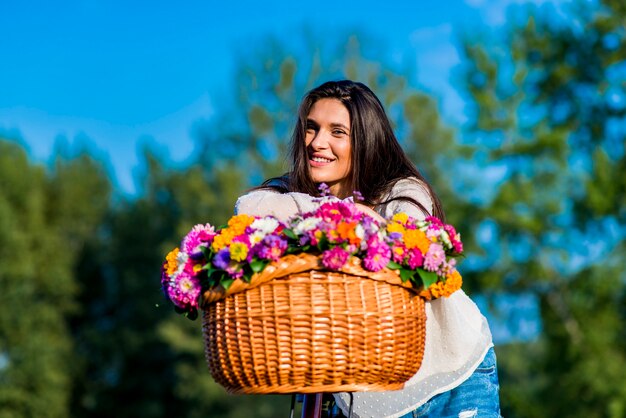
{"points": [[478, 396]]}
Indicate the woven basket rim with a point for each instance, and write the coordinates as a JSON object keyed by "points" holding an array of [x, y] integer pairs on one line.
{"points": [[296, 263]]}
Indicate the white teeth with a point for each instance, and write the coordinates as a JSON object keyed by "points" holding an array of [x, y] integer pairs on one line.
{"points": [[321, 160]]}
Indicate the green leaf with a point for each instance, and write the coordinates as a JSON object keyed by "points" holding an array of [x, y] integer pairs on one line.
{"points": [[428, 277], [406, 274], [393, 265], [206, 251], [290, 233], [225, 282], [258, 265]]}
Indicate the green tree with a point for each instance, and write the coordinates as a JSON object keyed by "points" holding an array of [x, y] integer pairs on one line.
{"points": [[548, 116], [45, 219]]}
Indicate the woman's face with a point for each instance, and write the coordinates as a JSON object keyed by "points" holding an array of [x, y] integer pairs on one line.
{"points": [[328, 145]]}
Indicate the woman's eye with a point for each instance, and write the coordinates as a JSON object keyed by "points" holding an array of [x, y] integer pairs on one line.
{"points": [[338, 132]]}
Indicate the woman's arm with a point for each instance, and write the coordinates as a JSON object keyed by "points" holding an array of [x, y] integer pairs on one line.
{"points": [[280, 205], [284, 205]]}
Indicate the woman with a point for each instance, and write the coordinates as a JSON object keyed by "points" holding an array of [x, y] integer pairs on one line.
{"points": [[344, 139]]}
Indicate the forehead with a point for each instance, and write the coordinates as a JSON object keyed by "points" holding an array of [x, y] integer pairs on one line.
{"points": [[330, 111]]}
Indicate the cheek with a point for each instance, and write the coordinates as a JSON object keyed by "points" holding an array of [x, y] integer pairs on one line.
{"points": [[345, 153], [307, 139]]}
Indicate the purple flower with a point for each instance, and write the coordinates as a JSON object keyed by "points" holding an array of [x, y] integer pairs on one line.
{"points": [[378, 255], [434, 257], [335, 258], [324, 189], [395, 236], [272, 247], [222, 259]]}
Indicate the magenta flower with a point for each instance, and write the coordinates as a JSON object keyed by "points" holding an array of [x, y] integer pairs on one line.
{"points": [[455, 238], [435, 222], [335, 258], [415, 258], [337, 211], [399, 252], [434, 257], [198, 236], [185, 291], [378, 255]]}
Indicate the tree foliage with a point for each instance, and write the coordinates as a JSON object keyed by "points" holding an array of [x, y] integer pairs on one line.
{"points": [[46, 217], [535, 183], [549, 108]]}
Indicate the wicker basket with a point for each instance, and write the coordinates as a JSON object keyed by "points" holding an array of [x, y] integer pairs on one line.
{"points": [[298, 328]]}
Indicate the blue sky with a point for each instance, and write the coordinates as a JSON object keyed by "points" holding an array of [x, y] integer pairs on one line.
{"points": [[122, 73]]}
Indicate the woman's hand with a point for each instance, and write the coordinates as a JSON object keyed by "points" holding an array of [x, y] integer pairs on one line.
{"points": [[369, 211]]}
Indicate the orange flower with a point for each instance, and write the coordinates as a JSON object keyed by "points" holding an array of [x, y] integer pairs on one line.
{"points": [[236, 226], [414, 238], [347, 231], [171, 261], [452, 284], [238, 223]]}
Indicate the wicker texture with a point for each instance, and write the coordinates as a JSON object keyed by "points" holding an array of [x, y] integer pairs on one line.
{"points": [[297, 328]]}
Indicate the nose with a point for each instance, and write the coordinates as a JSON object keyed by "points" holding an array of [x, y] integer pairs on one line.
{"points": [[320, 140]]}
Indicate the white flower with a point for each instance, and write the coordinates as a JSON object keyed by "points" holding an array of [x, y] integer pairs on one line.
{"points": [[446, 239], [256, 237], [306, 225], [265, 225], [359, 231], [181, 260]]}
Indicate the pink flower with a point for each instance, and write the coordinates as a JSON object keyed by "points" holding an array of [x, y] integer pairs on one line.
{"points": [[434, 257], [455, 238], [335, 258], [198, 236], [378, 255], [434, 222], [185, 291], [338, 211], [399, 252], [415, 258]]}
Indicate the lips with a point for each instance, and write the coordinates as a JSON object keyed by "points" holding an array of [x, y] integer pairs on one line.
{"points": [[319, 160]]}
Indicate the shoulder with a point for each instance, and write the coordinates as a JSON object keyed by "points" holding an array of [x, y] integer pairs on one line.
{"points": [[254, 198], [408, 186], [403, 197]]}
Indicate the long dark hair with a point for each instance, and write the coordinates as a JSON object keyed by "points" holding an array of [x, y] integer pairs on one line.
{"points": [[378, 160]]}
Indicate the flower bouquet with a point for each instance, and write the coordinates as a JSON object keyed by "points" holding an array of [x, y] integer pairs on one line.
{"points": [[348, 287]]}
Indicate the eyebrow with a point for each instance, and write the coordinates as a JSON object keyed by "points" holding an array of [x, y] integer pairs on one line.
{"points": [[332, 125]]}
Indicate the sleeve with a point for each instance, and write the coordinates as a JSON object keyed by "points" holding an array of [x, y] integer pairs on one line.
{"points": [[410, 187], [280, 205]]}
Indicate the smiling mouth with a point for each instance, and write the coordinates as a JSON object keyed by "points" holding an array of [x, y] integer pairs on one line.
{"points": [[321, 160]]}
